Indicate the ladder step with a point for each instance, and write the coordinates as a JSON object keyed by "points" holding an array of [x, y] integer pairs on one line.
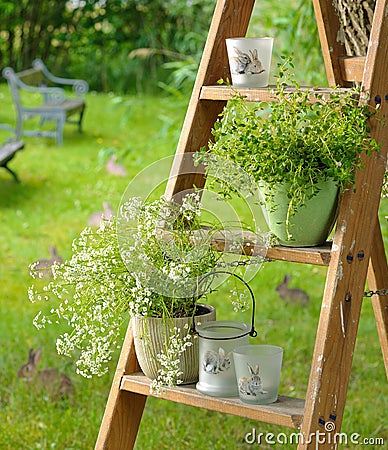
{"points": [[287, 411], [225, 93], [319, 256], [223, 241]]}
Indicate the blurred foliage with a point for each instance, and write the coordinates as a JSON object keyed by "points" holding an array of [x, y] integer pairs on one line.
{"points": [[92, 39], [130, 46]]}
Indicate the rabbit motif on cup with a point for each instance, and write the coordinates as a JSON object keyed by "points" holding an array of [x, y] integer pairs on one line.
{"points": [[251, 385], [216, 362], [50, 379], [293, 295], [245, 63]]}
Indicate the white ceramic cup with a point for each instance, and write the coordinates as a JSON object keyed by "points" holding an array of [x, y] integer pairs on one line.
{"points": [[249, 61]]}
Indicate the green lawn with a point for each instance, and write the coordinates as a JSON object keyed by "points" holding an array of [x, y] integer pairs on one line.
{"points": [[61, 187]]}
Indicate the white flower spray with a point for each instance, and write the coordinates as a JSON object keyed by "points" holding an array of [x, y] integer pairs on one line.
{"points": [[139, 271]]}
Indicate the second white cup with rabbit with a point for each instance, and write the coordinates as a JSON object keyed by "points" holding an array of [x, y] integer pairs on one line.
{"points": [[249, 61], [258, 372]]}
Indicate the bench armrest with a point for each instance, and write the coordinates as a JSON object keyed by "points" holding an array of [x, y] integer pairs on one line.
{"points": [[80, 87], [52, 95]]}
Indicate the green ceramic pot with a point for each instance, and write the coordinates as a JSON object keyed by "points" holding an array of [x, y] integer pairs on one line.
{"points": [[311, 224]]}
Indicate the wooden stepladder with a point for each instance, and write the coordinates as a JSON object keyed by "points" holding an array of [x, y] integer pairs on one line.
{"points": [[356, 254]]}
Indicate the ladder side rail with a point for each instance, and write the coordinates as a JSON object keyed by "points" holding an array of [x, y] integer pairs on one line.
{"points": [[351, 250], [375, 82], [230, 19], [341, 307], [124, 409]]}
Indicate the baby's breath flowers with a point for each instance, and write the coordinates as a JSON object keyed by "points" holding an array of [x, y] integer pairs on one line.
{"points": [[142, 263], [169, 359], [93, 288]]}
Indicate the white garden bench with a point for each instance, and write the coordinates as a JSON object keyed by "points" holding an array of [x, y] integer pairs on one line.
{"points": [[57, 106]]}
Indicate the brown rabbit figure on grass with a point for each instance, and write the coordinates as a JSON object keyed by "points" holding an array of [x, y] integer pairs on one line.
{"points": [[292, 295], [51, 380], [43, 268]]}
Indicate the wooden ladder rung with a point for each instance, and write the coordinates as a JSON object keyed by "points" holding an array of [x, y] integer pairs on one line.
{"points": [[224, 241], [287, 411], [225, 93], [319, 256]]}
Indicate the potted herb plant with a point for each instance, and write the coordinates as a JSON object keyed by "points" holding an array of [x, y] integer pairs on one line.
{"points": [[144, 265], [302, 149]]}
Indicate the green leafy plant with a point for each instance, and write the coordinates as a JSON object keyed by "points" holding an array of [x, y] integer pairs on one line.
{"points": [[304, 136], [142, 263]]}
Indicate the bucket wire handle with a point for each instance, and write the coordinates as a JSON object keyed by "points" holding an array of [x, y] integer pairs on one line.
{"points": [[252, 332]]}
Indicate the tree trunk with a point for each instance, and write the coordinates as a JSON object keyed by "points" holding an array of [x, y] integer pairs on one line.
{"points": [[356, 21]]}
